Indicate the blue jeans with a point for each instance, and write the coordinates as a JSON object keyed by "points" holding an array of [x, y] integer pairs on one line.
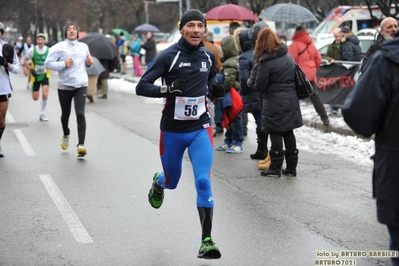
{"points": [[219, 104], [394, 242], [235, 134]]}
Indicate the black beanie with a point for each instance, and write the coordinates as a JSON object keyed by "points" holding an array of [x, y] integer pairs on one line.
{"points": [[189, 15], [70, 24]]}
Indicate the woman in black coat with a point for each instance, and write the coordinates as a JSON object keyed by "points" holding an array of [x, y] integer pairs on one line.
{"points": [[273, 76]]}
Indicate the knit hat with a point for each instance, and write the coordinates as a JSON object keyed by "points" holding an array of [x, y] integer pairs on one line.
{"points": [[191, 14], [2, 28], [70, 24], [345, 29], [41, 35]]}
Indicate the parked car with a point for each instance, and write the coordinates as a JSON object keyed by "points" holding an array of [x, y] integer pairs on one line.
{"points": [[368, 32], [172, 38], [160, 36], [365, 42]]}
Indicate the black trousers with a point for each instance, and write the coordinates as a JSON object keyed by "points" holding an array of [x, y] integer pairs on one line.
{"points": [[79, 98], [277, 140]]}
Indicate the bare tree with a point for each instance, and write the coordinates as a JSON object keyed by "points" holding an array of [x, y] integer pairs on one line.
{"points": [[385, 6], [49, 16]]}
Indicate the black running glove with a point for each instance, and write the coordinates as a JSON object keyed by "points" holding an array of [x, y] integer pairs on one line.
{"points": [[8, 53], [177, 87], [3, 61], [33, 72], [217, 91]]}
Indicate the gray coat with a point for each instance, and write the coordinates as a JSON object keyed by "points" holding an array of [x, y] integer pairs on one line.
{"points": [[274, 78]]}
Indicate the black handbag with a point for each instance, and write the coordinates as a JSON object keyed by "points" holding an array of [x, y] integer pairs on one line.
{"points": [[303, 86]]}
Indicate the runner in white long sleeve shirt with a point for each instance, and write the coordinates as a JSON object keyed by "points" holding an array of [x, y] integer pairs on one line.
{"points": [[70, 59], [5, 84]]}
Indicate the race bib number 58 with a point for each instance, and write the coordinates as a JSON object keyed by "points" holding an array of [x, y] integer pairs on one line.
{"points": [[189, 108]]}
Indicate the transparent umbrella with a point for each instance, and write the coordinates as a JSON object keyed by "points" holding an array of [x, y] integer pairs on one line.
{"points": [[289, 13], [146, 27], [96, 69]]}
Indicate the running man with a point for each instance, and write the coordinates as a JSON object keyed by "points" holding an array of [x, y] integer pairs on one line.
{"points": [[39, 74], [70, 59], [187, 69]]}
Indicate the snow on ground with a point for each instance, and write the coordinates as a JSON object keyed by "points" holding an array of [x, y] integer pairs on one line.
{"points": [[350, 148]]}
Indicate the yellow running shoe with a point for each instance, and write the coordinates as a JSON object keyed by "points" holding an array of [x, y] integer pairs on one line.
{"points": [[65, 142], [81, 150]]}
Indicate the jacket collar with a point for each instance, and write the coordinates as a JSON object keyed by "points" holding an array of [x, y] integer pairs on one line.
{"points": [[71, 42], [187, 45]]}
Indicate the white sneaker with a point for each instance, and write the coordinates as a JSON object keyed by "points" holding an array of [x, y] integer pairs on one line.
{"points": [[235, 149], [65, 142], [43, 118], [81, 150], [223, 147], [1, 152]]}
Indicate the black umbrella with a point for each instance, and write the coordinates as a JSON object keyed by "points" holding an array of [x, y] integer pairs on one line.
{"points": [[100, 46]]}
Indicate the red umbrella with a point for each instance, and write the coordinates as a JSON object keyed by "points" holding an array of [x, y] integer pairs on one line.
{"points": [[230, 12]]}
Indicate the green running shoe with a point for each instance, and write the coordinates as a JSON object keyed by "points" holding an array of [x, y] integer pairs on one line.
{"points": [[156, 194], [208, 250]]}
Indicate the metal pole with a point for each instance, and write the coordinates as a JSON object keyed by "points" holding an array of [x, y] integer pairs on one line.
{"points": [[188, 4], [146, 12], [180, 8]]}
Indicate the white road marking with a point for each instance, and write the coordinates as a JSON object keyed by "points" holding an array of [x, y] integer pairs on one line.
{"points": [[75, 226], [24, 143], [9, 118]]}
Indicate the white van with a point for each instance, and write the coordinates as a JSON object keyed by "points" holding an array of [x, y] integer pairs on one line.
{"points": [[355, 17]]}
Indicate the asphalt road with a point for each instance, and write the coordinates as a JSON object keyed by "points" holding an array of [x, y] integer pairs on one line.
{"points": [[58, 210]]}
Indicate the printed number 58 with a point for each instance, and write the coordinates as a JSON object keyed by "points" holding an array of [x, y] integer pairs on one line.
{"points": [[190, 110]]}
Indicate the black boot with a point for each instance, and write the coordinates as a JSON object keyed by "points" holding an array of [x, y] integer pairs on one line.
{"points": [[277, 158], [261, 151], [291, 158]]}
